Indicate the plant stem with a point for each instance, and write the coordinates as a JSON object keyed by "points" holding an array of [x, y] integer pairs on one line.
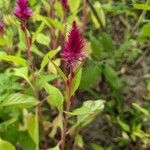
{"points": [[29, 54], [67, 109], [31, 68]]}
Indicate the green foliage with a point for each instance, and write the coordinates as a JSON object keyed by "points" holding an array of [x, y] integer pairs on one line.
{"points": [[55, 96], [86, 113], [89, 77], [7, 145], [18, 100], [111, 77], [76, 81]]}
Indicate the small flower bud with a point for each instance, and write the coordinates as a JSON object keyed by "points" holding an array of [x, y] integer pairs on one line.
{"points": [[22, 11]]}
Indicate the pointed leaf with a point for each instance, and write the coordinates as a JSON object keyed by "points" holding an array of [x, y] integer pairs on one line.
{"points": [[55, 96], [33, 128], [76, 82], [48, 56], [19, 100], [60, 72]]}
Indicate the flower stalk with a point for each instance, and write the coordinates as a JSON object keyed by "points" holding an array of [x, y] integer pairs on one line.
{"points": [[71, 54], [67, 107], [29, 55]]}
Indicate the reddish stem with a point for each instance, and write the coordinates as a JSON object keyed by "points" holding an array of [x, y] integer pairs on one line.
{"points": [[67, 109], [29, 54]]}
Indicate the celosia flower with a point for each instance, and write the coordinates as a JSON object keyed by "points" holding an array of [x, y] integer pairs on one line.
{"points": [[73, 48], [1, 28], [22, 11], [64, 4]]}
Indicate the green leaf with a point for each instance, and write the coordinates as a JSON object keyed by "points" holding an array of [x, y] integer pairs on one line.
{"points": [[145, 30], [148, 86], [86, 113], [90, 77], [38, 31], [46, 5], [141, 6], [119, 53], [89, 107], [35, 50], [32, 2], [22, 40], [59, 9], [101, 15], [26, 141], [55, 96], [74, 6], [111, 77], [43, 39], [48, 56], [60, 72], [54, 23], [139, 108], [19, 100], [46, 77], [123, 125], [33, 127], [80, 141], [6, 145], [106, 42], [96, 47], [97, 147], [3, 41], [23, 73], [14, 59], [76, 81]]}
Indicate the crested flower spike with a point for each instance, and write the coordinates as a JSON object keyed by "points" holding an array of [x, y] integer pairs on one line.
{"points": [[22, 11], [73, 48], [64, 4]]}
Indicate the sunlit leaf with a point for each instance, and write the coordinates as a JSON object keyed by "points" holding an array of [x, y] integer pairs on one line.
{"points": [[23, 73], [139, 108], [19, 100], [89, 107], [6, 145], [14, 59], [33, 128], [43, 39], [60, 72], [123, 125], [55, 96], [74, 6], [76, 82], [48, 56]]}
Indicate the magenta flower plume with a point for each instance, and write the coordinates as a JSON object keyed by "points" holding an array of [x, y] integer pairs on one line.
{"points": [[64, 4], [21, 10], [1, 28], [73, 48]]}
